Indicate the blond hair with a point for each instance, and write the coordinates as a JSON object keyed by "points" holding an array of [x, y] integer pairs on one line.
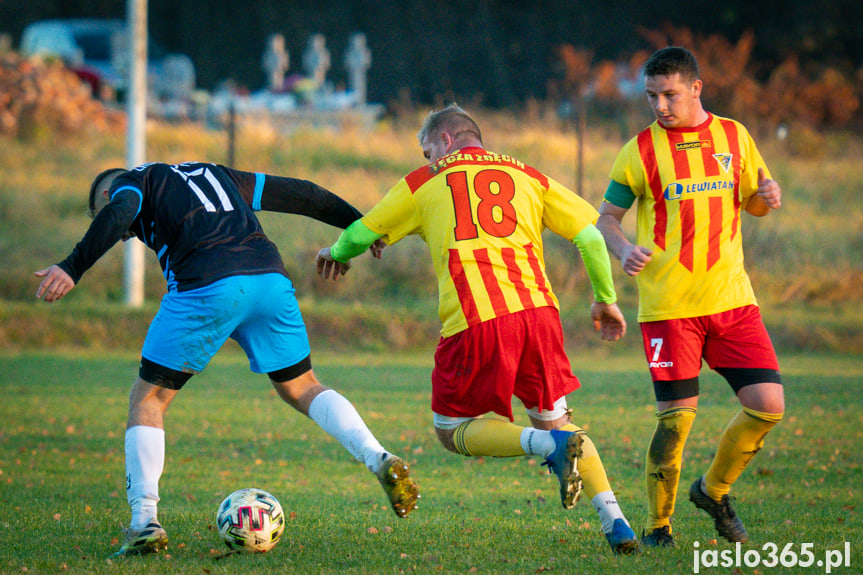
{"points": [[452, 119]]}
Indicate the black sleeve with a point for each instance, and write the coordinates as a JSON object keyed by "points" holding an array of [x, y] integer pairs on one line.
{"points": [[293, 196], [108, 227]]}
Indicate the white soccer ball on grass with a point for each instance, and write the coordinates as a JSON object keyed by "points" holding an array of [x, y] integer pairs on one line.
{"points": [[250, 520]]}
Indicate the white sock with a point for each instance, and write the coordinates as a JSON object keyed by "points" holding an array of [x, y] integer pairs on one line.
{"points": [[606, 505], [145, 459], [338, 417], [537, 441]]}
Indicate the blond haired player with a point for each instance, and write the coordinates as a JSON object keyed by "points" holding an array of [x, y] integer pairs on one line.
{"points": [[482, 215], [693, 173]]}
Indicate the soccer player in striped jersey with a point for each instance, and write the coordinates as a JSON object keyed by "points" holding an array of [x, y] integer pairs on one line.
{"points": [[693, 174], [482, 215], [225, 279]]}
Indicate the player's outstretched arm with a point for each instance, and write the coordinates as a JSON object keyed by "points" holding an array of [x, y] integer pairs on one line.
{"points": [[306, 198], [55, 283], [606, 316]]}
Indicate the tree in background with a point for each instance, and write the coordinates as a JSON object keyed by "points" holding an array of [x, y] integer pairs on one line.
{"points": [[791, 100]]}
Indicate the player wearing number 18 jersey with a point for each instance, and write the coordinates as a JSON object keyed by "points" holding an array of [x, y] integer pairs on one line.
{"points": [[693, 174], [482, 215], [225, 279], [484, 231]]}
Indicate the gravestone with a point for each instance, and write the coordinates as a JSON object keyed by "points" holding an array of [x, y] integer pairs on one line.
{"points": [[316, 59], [276, 61], [358, 59]]}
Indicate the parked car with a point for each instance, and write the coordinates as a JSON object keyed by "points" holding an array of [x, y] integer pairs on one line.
{"points": [[97, 50]]}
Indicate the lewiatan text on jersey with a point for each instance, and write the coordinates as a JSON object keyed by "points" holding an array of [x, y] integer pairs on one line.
{"points": [[675, 190]]}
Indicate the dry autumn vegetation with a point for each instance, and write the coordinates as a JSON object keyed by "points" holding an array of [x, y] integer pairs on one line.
{"points": [[805, 260], [43, 99]]}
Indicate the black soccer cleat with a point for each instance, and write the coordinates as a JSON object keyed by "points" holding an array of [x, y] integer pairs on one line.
{"points": [[726, 521], [659, 537]]}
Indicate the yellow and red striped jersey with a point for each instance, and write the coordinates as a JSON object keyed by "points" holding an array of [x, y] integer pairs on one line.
{"points": [[691, 185], [482, 215]]}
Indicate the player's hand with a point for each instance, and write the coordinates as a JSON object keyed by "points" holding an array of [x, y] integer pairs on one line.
{"points": [[635, 258], [327, 266], [608, 321], [55, 283], [377, 248], [769, 191]]}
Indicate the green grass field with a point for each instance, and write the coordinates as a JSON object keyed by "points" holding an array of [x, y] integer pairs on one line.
{"points": [[65, 372], [63, 498]]}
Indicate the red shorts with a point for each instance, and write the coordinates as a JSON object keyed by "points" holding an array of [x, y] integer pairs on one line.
{"points": [[735, 338], [480, 369]]}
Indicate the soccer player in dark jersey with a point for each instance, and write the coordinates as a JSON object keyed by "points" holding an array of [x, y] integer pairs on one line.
{"points": [[225, 279], [693, 174]]}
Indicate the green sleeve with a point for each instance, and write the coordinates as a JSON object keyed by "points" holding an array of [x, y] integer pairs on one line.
{"points": [[355, 240], [619, 195], [595, 255]]}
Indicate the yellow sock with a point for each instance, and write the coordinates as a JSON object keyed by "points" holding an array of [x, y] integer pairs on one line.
{"points": [[488, 437], [663, 463], [739, 443], [593, 477]]}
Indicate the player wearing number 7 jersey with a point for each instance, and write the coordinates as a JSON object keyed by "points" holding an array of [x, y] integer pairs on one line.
{"points": [[225, 279], [693, 174], [482, 215]]}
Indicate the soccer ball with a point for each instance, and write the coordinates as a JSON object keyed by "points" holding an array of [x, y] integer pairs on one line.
{"points": [[250, 520]]}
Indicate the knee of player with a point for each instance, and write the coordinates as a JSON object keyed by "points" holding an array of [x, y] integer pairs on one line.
{"points": [[445, 436], [777, 409], [771, 416]]}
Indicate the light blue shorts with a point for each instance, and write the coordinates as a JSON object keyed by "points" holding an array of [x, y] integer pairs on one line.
{"points": [[260, 312]]}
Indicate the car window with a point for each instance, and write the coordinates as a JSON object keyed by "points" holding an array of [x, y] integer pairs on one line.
{"points": [[96, 45]]}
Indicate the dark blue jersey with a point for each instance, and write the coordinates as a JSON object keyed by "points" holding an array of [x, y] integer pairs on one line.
{"points": [[199, 219]]}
